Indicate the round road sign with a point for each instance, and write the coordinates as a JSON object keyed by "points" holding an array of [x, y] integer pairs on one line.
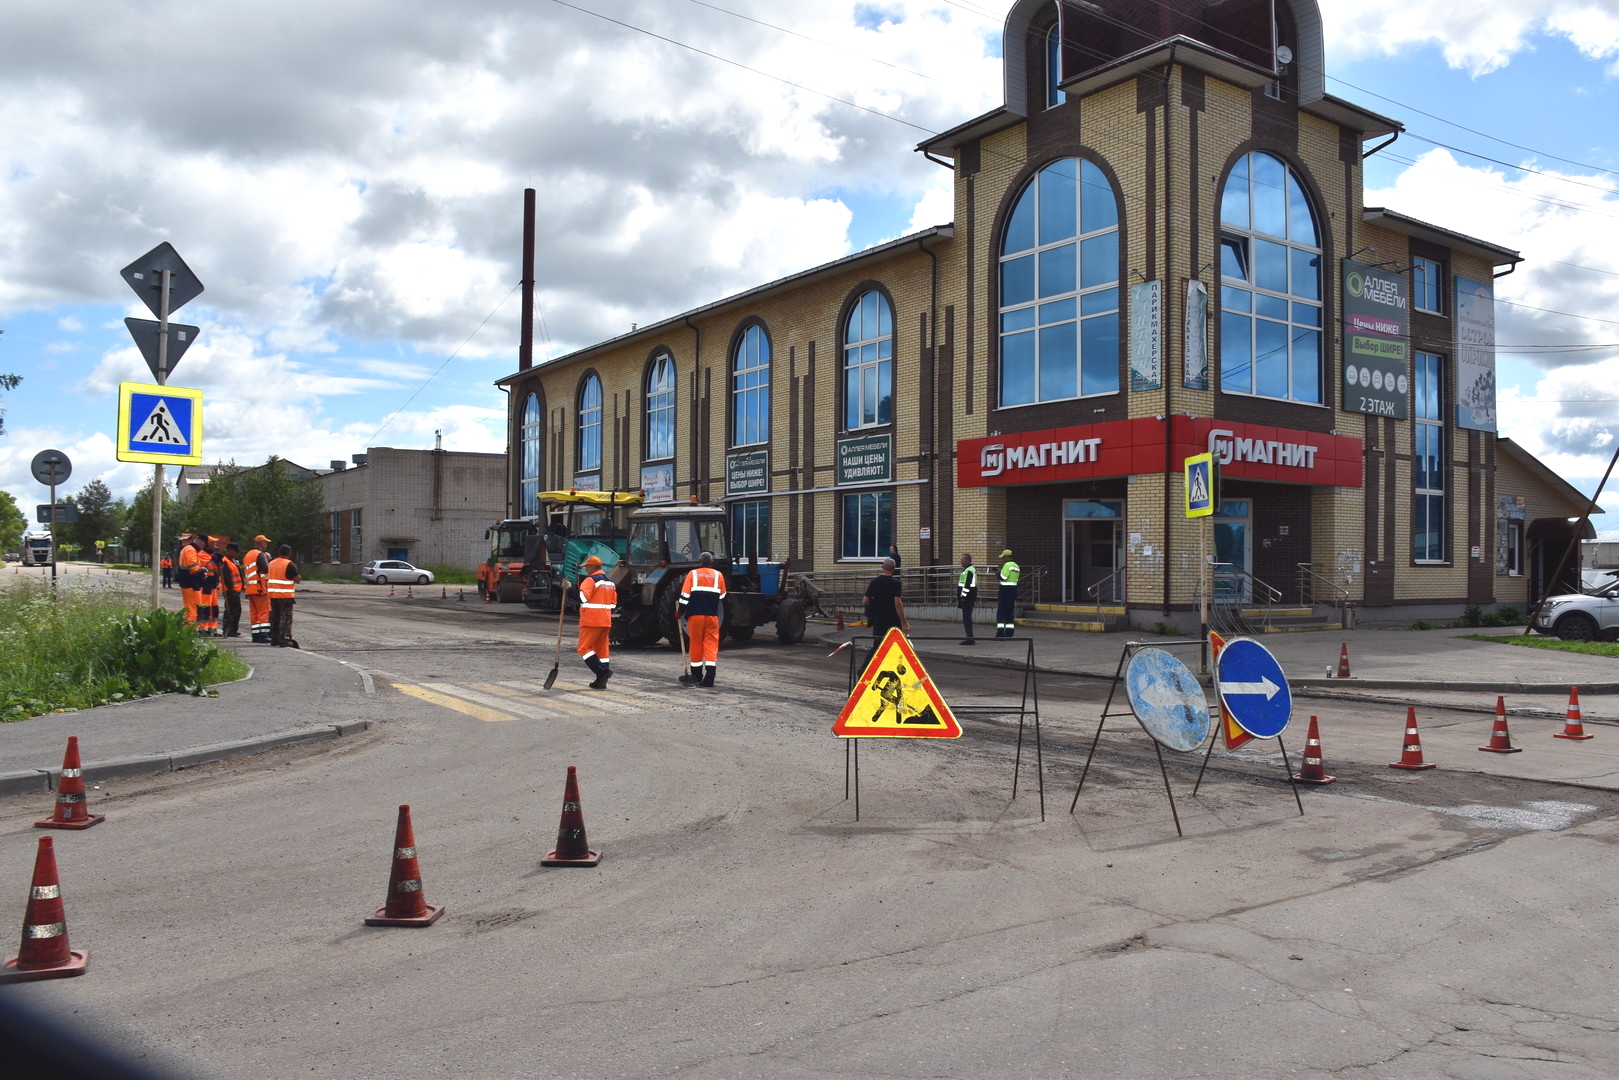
{"points": [[1167, 700], [1253, 688], [52, 467]]}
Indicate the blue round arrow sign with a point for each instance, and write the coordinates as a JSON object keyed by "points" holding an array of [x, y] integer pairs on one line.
{"points": [[1253, 688]]}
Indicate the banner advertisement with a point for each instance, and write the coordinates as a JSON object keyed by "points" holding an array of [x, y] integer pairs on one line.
{"points": [[1377, 369], [1475, 355]]}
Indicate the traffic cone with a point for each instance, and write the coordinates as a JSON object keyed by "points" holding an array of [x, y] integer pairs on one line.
{"points": [[1313, 771], [840, 620], [1411, 755], [461, 595], [44, 953], [390, 590], [1500, 741], [1343, 661], [71, 811], [407, 905], [410, 592], [1573, 727], [572, 848], [443, 592]]}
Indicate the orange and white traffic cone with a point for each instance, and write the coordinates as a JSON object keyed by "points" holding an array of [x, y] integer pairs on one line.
{"points": [[1411, 755], [390, 590], [410, 592], [407, 905], [1313, 770], [572, 849], [1574, 726], [71, 810], [44, 953], [1343, 661], [1500, 741]]}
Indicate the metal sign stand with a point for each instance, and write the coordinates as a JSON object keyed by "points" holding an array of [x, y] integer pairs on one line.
{"points": [[1028, 705], [1288, 769], [1129, 649]]}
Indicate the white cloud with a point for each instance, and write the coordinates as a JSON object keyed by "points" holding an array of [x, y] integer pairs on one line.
{"points": [[1478, 38]]}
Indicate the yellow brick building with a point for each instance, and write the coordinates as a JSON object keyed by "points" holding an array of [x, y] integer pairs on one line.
{"points": [[1160, 248]]}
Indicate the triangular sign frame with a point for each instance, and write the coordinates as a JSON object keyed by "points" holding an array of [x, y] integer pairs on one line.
{"points": [[895, 698]]}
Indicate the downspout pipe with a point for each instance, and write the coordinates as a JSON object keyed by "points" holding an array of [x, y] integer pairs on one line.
{"points": [[696, 378]]}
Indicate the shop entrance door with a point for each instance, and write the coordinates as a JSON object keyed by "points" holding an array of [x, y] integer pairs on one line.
{"points": [[1093, 551], [1233, 552]]}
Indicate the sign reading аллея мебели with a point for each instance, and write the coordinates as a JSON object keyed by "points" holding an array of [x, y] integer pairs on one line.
{"points": [[1377, 365], [1133, 447]]}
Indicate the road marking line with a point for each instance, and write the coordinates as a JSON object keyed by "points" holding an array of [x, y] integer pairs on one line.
{"points": [[445, 701], [634, 702], [508, 692]]}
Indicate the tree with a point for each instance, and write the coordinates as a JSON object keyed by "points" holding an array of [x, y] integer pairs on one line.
{"points": [[241, 503], [12, 523], [138, 533], [98, 516], [7, 382]]}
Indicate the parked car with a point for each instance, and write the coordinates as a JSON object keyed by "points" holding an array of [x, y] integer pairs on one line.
{"points": [[382, 571], [1592, 616], [12, 556]]}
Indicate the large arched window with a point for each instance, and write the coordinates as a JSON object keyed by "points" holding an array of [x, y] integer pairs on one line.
{"points": [[590, 425], [750, 388], [531, 439], [868, 363], [1270, 284], [660, 408], [1059, 268]]}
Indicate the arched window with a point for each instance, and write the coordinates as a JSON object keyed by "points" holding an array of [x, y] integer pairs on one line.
{"points": [[868, 363], [750, 388], [660, 409], [1059, 312], [531, 439], [1270, 284], [590, 425]]}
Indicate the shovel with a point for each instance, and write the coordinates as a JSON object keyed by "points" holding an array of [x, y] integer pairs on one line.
{"points": [[562, 610], [685, 666]]}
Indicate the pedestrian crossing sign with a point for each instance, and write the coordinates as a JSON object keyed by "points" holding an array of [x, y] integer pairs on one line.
{"points": [[1200, 485], [895, 699], [161, 425]]}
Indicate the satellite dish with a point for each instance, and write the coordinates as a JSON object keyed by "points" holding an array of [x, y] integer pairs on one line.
{"points": [[1284, 55]]}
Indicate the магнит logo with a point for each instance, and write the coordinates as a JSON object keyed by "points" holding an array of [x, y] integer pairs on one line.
{"points": [[992, 459]]}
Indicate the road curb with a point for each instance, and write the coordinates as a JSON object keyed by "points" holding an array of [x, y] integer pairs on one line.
{"points": [[30, 781]]}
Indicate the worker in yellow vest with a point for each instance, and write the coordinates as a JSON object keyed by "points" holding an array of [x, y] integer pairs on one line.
{"points": [[1006, 596]]}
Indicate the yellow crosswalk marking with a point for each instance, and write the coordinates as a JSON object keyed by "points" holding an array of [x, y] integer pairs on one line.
{"points": [[477, 712]]}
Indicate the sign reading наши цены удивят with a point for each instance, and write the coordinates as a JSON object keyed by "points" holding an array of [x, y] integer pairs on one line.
{"points": [[868, 460], [1377, 365]]}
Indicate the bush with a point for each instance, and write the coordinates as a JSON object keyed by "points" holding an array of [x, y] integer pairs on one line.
{"points": [[158, 652], [1472, 616], [1510, 616], [1422, 624], [1492, 619]]}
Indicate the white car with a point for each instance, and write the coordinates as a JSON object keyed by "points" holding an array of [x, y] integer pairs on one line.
{"points": [[1592, 616], [382, 571]]}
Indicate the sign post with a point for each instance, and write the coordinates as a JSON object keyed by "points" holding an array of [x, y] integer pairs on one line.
{"points": [[52, 467], [165, 283], [1200, 499]]}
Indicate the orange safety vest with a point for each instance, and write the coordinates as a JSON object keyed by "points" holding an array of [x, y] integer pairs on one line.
{"points": [[281, 587], [167, 563], [253, 583], [190, 576], [230, 575], [597, 598]]}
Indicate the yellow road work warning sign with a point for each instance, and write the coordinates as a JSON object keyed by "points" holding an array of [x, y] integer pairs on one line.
{"points": [[895, 699]]}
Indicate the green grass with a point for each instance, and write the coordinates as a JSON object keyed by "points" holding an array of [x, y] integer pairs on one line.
{"points": [[53, 650], [1535, 641]]}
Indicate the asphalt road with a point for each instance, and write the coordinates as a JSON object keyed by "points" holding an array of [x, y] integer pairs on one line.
{"points": [[743, 923]]}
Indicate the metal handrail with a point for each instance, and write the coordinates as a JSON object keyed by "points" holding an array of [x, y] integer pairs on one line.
{"points": [[1311, 583], [1115, 582], [840, 589], [1228, 608]]}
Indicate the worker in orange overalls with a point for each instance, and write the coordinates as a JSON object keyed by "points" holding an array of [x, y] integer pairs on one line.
{"points": [[597, 598], [207, 587], [283, 587], [168, 572], [191, 559], [702, 597], [256, 587]]}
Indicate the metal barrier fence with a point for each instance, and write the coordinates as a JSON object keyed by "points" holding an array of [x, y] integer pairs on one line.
{"points": [[930, 591]]}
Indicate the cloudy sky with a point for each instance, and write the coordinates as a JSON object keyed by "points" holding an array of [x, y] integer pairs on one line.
{"points": [[346, 180]]}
